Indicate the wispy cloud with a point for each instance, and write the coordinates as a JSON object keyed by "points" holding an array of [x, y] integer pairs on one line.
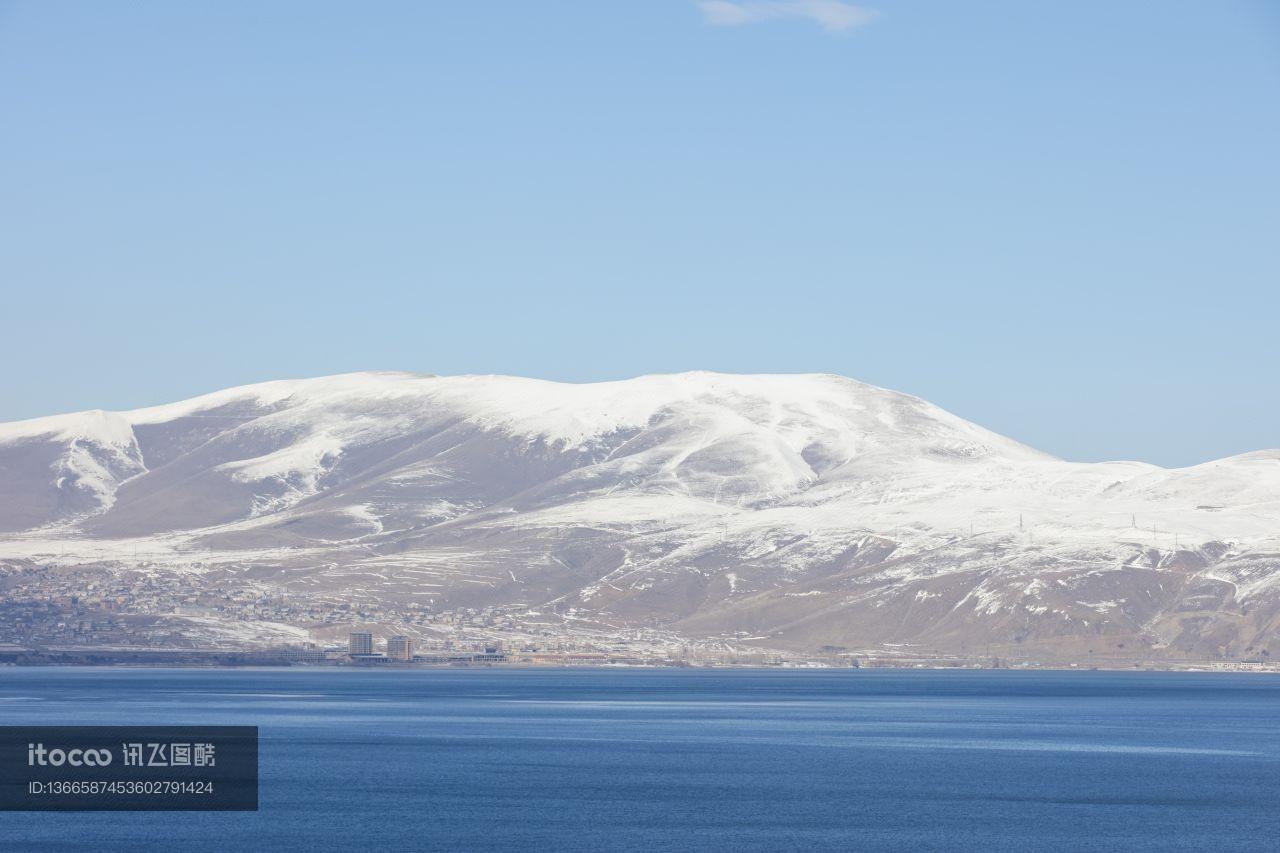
{"points": [[832, 15]]}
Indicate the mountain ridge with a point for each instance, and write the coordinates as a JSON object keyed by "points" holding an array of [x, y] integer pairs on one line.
{"points": [[801, 505]]}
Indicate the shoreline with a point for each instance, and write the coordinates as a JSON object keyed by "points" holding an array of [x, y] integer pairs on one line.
{"points": [[698, 667]]}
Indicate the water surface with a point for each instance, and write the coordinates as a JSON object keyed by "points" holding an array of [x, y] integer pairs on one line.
{"points": [[767, 760]]}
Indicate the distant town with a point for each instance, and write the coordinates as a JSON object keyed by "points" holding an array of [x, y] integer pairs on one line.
{"points": [[103, 615], [106, 615]]}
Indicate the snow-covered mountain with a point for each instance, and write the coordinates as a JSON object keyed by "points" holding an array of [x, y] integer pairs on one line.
{"points": [[799, 511]]}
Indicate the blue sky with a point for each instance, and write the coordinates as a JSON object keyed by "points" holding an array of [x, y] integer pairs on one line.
{"points": [[1061, 221]]}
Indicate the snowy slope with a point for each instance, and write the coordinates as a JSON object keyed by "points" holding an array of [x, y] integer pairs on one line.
{"points": [[813, 508]]}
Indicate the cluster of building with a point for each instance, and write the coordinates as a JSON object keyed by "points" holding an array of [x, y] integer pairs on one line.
{"points": [[98, 606], [362, 648]]}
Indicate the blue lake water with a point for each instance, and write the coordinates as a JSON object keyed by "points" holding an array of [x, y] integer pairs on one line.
{"points": [[681, 760]]}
